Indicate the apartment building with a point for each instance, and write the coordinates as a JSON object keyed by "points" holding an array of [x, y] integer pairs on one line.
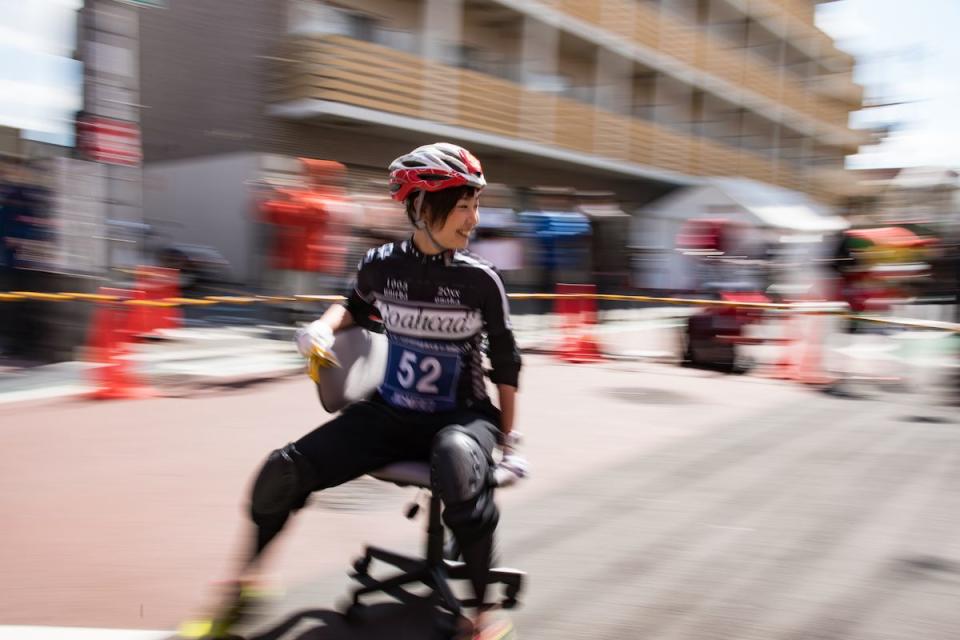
{"points": [[634, 96]]}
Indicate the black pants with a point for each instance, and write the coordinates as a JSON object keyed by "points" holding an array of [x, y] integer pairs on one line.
{"points": [[459, 444], [368, 435]]}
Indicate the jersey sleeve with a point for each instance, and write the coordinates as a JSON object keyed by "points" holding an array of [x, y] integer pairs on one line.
{"points": [[503, 352], [360, 295]]}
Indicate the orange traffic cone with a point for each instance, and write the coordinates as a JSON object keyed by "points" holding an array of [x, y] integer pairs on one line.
{"points": [[158, 283], [810, 369], [108, 346], [140, 318], [784, 367], [579, 345], [802, 356], [585, 348]]}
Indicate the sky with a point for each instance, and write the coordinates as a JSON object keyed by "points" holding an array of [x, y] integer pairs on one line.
{"points": [[907, 50], [39, 82]]}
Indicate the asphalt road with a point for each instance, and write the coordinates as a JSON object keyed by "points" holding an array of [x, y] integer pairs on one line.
{"points": [[665, 503]]}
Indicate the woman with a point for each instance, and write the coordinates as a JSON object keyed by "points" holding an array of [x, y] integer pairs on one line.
{"points": [[435, 301]]}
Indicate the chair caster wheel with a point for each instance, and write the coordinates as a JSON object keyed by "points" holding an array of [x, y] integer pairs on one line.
{"points": [[510, 596], [361, 565], [356, 613]]}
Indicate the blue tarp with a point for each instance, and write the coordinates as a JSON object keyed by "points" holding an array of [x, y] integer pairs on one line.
{"points": [[556, 224], [559, 235]]}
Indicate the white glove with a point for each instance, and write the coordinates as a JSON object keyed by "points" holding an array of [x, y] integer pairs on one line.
{"points": [[511, 469], [313, 338], [511, 441]]}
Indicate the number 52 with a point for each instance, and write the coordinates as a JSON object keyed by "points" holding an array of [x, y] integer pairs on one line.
{"points": [[429, 368]]}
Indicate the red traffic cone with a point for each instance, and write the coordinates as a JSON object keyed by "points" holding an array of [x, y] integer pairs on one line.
{"points": [[109, 346]]}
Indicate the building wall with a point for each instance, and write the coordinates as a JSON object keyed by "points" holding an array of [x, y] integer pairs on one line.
{"points": [[207, 201], [404, 14], [491, 46], [230, 48], [203, 72]]}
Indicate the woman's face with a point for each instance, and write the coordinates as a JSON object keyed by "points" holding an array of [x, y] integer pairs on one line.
{"points": [[455, 232]]}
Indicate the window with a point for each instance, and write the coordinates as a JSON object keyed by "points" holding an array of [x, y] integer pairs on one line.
{"points": [[361, 26], [314, 17]]}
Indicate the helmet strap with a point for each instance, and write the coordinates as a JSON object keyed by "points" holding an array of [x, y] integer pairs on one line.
{"points": [[421, 225], [434, 240]]}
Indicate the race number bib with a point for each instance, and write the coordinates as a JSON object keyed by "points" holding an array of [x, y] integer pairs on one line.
{"points": [[421, 378]]}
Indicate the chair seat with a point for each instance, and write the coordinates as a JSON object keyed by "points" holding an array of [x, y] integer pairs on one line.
{"points": [[406, 472]]}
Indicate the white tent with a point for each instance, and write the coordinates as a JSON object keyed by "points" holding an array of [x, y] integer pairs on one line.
{"points": [[750, 202], [765, 213]]}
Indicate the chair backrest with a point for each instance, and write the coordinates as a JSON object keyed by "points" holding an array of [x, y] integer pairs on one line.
{"points": [[363, 362]]}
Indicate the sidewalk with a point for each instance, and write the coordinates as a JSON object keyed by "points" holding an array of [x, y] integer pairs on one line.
{"points": [[211, 355], [60, 380], [230, 355]]}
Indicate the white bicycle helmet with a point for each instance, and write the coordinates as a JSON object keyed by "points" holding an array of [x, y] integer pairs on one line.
{"points": [[433, 167]]}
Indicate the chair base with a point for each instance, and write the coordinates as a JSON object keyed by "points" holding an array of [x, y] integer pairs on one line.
{"points": [[435, 575]]}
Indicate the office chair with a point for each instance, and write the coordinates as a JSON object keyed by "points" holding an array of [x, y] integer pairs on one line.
{"points": [[363, 358]]}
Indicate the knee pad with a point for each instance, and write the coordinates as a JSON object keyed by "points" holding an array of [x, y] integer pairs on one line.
{"points": [[459, 466], [283, 485], [461, 473]]}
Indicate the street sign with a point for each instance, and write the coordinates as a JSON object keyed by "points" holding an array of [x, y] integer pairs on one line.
{"points": [[108, 140]]}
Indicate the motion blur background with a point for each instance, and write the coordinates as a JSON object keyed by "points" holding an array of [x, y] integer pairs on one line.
{"points": [[667, 147], [233, 154]]}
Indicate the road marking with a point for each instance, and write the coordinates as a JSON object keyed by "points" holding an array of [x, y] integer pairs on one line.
{"points": [[78, 633]]}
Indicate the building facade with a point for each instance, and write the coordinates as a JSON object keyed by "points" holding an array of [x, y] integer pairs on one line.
{"points": [[636, 96]]}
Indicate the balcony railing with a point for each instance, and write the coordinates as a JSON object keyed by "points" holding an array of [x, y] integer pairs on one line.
{"points": [[342, 70], [802, 10], [681, 40], [800, 17]]}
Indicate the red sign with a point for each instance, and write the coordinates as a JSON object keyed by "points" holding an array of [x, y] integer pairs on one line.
{"points": [[109, 141]]}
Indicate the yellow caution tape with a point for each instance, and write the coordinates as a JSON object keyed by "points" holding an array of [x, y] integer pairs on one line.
{"points": [[37, 295], [194, 302], [626, 298], [277, 298], [809, 308], [94, 297], [310, 298], [167, 302], [232, 299]]}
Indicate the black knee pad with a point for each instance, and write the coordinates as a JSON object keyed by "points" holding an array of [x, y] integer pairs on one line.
{"points": [[461, 474], [283, 485], [459, 467]]}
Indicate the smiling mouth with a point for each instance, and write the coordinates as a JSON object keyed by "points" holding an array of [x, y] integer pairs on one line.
{"points": [[465, 234]]}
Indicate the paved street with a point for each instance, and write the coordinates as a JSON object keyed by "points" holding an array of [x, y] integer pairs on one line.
{"points": [[665, 503]]}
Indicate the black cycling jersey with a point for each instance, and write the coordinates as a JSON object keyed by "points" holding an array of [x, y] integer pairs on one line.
{"points": [[435, 310]]}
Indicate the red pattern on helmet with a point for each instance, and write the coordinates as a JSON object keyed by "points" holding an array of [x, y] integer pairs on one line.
{"points": [[410, 180], [473, 165]]}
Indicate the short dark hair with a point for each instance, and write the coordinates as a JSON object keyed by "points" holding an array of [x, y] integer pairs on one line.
{"points": [[437, 205]]}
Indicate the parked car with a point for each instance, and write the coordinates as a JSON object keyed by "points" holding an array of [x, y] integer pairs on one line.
{"points": [[201, 267]]}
